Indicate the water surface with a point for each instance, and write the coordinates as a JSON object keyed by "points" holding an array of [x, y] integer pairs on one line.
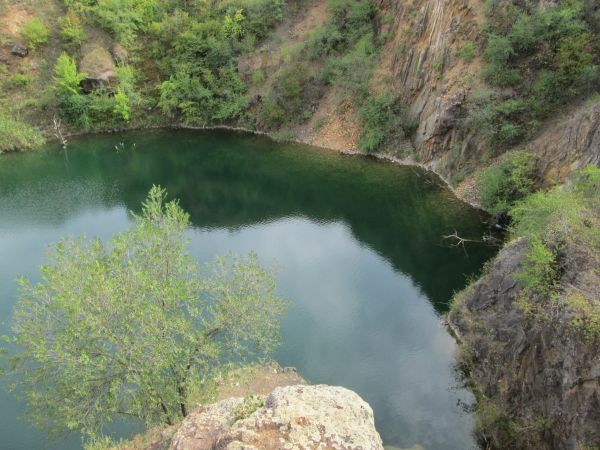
{"points": [[358, 244]]}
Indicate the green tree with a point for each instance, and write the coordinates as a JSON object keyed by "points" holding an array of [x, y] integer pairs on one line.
{"points": [[132, 327]]}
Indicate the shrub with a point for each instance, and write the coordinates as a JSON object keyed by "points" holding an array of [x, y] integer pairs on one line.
{"points": [[575, 57], [66, 76], [467, 51], [383, 117], [18, 80], [538, 275], [35, 33], [125, 18], [18, 135], [250, 404], [506, 182], [498, 50], [291, 95], [71, 30], [121, 109]]}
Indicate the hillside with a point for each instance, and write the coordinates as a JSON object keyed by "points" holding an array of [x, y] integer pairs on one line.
{"points": [[501, 98]]}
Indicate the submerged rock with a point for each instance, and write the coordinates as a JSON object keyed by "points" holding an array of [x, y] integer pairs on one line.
{"points": [[293, 417]]}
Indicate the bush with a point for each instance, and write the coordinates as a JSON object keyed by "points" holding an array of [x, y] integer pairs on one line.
{"points": [[564, 235], [18, 135], [245, 409], [384, 118], [506, 182], [35, 33], [538, 275], [125, 18], [467, 51], [548, 56], [18, 80], [293, 92], [71, 30]]}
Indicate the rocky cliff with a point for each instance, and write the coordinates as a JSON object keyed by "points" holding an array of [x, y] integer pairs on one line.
{"points": [[538, 380]]}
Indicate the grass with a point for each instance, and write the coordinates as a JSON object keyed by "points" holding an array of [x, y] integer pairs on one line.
{"points": [[18, 135]]}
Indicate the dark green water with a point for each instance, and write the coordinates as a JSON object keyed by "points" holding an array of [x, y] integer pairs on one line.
{"points": [[358, 243]]}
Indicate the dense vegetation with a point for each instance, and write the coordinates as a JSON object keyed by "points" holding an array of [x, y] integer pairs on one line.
{"points": [[135, 327], [536, 61], [563, 229]]}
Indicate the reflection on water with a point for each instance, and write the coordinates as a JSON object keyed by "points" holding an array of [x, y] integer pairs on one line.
{"points": [[357, 243]]}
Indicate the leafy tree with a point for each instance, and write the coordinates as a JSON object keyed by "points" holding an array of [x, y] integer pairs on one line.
{"points": [[133, 326]]}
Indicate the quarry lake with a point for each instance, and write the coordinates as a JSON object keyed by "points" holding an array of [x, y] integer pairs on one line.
{"points": [[358, 244]]}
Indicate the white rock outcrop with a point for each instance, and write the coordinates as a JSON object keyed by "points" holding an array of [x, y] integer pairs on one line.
{"points": [[293, 417]]}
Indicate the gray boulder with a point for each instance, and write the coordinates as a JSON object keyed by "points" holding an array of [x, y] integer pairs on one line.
{"points": [[19, 50]]}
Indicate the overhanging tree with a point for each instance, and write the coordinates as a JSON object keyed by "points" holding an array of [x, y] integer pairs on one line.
{"points": [[130, 327]]}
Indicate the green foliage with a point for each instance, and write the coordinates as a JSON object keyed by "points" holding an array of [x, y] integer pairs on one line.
{"points": [[558, 222], [383, 117], [35, 33], [205, 97], [18, 80], [131, 326], [588, 315], [538, 275], [549, 56], [233, 26], [467, 51], [66, 76], [71, 29], [17, 135], [250, 404], [291, 95], [121, 109], [71, 103], [506, 182], [125, 18]]}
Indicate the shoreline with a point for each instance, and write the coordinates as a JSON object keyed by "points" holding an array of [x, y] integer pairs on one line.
{"points": [[347, 152]]}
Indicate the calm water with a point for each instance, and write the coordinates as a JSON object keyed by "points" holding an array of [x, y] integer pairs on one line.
{"points": [[358, 243]]}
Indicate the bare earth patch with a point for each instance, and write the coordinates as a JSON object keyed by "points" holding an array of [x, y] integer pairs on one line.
{"points": [[12, 20]]}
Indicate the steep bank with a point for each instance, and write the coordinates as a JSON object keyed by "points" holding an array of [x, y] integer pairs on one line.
{"points": [[537, 379]]}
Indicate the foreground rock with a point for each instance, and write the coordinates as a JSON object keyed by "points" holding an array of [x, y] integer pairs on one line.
{"points": [[292, 417], [538, 379]]}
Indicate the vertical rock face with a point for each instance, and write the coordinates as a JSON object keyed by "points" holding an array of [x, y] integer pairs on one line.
{"points": [[542, 377], [293, 417], [422, 63], [568, 144]]}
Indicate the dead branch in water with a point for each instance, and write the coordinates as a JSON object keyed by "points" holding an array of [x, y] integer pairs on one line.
{"points": [[460, 241], [56, 126]]}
